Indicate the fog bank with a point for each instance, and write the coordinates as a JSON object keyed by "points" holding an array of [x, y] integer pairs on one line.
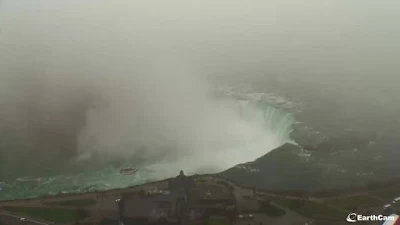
{"points": [[78, 76]]}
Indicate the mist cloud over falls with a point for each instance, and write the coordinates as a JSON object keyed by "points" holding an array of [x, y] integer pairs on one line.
{"points": [[163, 114], [118, 78], [82, 84]]}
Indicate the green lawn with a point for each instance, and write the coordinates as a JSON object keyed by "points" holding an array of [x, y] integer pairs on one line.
{"points": [[387, 194], [271, 210], [218, 221], [355, 202], [77, 202], [50, 215], [288, 203], [309, 209], [316, 210]]}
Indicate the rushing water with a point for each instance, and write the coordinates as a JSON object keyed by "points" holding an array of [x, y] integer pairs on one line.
{"points": [[82, 96], [262, 122]]}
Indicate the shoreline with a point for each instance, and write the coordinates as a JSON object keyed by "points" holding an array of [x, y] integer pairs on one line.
{"points": [[318, 194]]}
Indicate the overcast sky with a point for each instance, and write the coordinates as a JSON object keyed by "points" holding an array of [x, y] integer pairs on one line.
{"points": [[340, 41]]}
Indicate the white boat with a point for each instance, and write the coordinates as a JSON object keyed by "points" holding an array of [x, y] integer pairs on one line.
{"points": [[128, 171]]}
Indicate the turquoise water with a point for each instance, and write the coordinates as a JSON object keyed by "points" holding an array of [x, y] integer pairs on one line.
{"points": [[260, 126]]}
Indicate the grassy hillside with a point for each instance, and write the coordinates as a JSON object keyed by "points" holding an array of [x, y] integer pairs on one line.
{"points": [[49, 214], [85, 202]]}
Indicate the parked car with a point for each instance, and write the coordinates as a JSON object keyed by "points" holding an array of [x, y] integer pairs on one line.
{"points": [[387, 206], [246, 216]]}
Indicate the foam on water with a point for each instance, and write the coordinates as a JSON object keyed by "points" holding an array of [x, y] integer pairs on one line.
{"points": [[262, 126]]}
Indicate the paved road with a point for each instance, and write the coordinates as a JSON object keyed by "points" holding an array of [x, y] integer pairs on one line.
{"points": [[8, 219]]}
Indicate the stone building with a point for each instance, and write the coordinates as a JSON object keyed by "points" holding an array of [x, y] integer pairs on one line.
{"points": [[149, 209]]}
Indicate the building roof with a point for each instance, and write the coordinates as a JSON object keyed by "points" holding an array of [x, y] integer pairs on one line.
{"points": [[145, 206], [396, 220], [211, 192]]}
